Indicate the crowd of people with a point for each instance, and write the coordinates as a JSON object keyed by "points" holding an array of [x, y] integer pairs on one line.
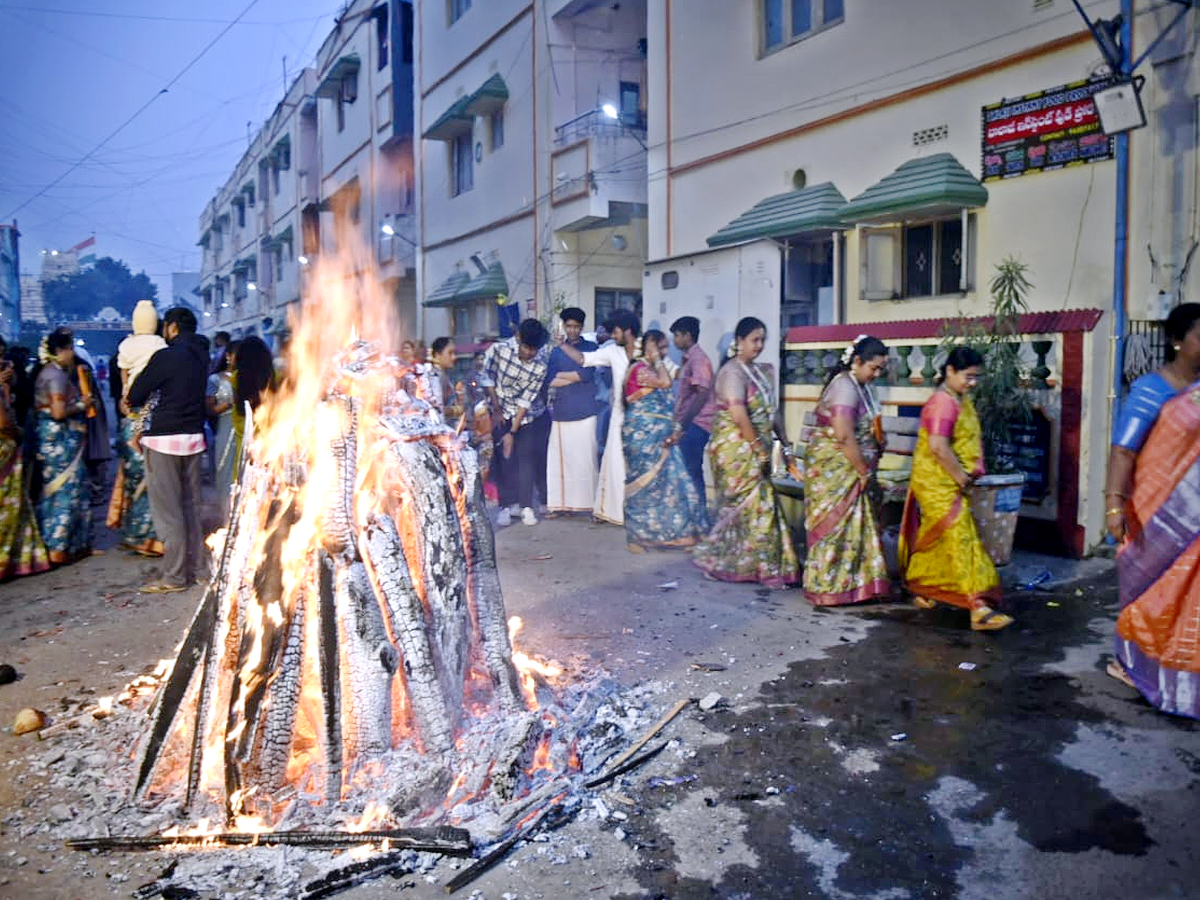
{"points": [[614, 429]]}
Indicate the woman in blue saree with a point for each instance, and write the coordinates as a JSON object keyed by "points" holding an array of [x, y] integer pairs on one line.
{"points": [[64, 511], [662, 505]]}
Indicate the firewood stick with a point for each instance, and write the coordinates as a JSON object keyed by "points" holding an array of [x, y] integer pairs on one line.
{"points": [[446, 840], [354, 874], [66, 725], [626, 766], [465, 877], [645, 739]]}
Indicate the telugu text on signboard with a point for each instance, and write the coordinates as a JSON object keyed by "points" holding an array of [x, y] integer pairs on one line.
{"points": [[1049, 129]]}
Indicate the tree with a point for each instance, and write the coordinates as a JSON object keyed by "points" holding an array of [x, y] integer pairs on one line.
{"points": [[108, 283]]}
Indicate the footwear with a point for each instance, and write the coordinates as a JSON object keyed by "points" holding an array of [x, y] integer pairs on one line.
{"points": [[635, 548], [923, 602], [162, 587], [987, 619], [527, 516], [1117, 671], [504, 518]]}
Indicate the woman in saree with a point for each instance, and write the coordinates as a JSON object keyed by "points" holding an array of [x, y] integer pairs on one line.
{"points": [[750, 539], [845, 561], [219, 399], [64, 512], [1153, 478], [21, 549], [662, 505], [129, 507], [941, 555]]}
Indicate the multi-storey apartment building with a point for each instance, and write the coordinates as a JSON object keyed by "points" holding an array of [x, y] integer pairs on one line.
{"points": [[330, 171], [531, 160], [887, 155], [10, 282]]}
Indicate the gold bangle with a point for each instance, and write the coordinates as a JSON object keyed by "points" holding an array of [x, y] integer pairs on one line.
{"points": [[1114, 511]]}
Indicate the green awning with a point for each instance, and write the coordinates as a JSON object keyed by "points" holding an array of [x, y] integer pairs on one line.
{"points": [[937, 184], [446, 292], [246, 263], [492, 95], [813, 208], [453, 122], [281, 153], [332, 82], [248, 188], [486, 286], [270, 242]]}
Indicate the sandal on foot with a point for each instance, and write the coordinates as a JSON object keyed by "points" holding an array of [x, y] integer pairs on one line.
{"points": [[1117, 671], [986, 619], [161, 587], [923, 602]]}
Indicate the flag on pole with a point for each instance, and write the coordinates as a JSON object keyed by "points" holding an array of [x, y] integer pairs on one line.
{"points": [[89, 260], [83, 245]]}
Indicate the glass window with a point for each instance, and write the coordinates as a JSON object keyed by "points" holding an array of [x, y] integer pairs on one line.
{"points": [[918, 261], [462, 165], [456, 8], [801, 17], [834, 10], [772, 23], [950, 255], [609, 300], [381, 36], [497, 129]]}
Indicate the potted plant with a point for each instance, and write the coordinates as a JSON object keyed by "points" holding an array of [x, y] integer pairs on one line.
{"points": [[1001, 401]]}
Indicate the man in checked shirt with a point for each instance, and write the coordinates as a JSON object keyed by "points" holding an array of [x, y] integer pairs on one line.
{"points": [[513, 375]]}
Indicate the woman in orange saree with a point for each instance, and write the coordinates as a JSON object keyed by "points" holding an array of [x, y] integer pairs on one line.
{"points": [[1158, 630], [941, 555]]}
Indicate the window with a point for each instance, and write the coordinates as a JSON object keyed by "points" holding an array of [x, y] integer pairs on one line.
{"points": [[787, 21], [275, 178], [631, 104], [240, 207], [249, 191], [340, 108], [462, 165], [380, 13], [462, 321], [920, 259], [608, 300], [497, 128], [456, 8]]}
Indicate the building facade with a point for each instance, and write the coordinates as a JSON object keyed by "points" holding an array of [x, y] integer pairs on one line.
{"points": [[895, 153], [329, 172], [531, 161], [10, 282]]}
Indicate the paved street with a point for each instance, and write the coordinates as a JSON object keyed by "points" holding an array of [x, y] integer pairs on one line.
{"points": [[878, 752]]}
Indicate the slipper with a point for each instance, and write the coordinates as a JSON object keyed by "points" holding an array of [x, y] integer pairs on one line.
{"points": [[161, 587], [924, 602], [986, 619], [1117, 671]]}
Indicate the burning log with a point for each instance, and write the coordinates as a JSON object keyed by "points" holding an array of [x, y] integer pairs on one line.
{"points": [[356, 873], [355, 594], [445, 840]]}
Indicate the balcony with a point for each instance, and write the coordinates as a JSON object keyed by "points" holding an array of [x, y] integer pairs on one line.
{"points": [[598, 169]]}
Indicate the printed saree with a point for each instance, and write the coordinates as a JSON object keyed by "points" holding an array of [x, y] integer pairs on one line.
{"points": [[940, 552], [129, 508], [64, 512], [662, 505], [845, 561], [750, 539], [21, 549], [1158, 630]]}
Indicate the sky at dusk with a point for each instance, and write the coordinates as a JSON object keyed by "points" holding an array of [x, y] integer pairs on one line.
{"points": [[73, 72]]}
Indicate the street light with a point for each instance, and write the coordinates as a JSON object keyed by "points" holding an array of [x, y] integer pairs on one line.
{"points": [[388, 229], [1120, 106], [251, 286], [302, 259], [610, 110]]}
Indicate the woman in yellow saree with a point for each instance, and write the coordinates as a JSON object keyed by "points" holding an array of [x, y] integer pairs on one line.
{"points": [[941, 555]]}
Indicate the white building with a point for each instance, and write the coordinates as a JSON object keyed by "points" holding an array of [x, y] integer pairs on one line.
{"points": [[334, 157], [532, 178], [10, 282], [771, 115]]}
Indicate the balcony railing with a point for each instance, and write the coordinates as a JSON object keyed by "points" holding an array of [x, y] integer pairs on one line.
{"points": [[596, 123]]}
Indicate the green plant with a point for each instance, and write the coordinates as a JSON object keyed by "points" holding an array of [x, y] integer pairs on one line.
{"points": [[1001, 398]]}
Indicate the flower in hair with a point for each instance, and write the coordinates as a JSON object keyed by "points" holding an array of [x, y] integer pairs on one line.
{"points": [[848, 353]]}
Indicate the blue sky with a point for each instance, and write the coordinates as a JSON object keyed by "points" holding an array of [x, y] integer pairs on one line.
{"points": [[72, 72]]}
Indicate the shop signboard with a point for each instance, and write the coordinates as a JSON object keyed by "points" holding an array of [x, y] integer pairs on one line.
{"points": [[1046, 130]]}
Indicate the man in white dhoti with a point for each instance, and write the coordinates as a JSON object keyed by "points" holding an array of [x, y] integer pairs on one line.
{"points": [[624, 327], [571, 461]]}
